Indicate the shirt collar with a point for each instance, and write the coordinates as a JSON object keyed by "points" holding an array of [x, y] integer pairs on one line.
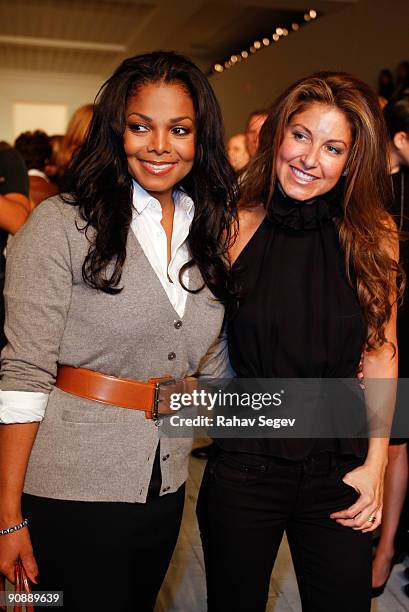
{"points": [[35, 172], [141, 198]]}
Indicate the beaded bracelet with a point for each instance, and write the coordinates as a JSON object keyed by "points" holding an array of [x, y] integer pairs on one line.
{"points": [[15, 528]]}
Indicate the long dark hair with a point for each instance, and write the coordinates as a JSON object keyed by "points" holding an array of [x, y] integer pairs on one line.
{"points": [[365, 229], [100, 185]]}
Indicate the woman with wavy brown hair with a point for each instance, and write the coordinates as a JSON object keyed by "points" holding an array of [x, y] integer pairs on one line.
{"points": [[73, 138], [316, 258]]}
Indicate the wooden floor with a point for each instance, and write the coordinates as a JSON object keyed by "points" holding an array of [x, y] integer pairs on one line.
{"points": [[184, 587]]}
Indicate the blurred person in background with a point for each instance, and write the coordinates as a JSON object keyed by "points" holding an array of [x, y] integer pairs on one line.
{"points": [[385, 84], [253, 127], [390, 550], [51, 168], [237, 152], [14, 208], [402, 81], [74, 137], [36, 151]]}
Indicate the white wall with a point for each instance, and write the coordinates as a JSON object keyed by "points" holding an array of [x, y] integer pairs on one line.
{"points": [[361, 38], [40, 87]]}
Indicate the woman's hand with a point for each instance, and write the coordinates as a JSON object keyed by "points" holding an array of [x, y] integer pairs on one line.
{"points": [[14, 546], [367, 480]]}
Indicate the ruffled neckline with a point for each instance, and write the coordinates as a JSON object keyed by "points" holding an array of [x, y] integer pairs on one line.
{"points": [[311, 214]]}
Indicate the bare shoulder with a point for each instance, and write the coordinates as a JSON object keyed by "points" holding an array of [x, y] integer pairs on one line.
{"points": [[250, 220]]}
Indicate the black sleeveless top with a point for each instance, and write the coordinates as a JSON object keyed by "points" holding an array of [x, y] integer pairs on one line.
{"points": [[298, 316]]}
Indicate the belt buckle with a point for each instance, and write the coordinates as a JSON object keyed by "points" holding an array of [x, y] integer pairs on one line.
{"points": [[160, 382]]}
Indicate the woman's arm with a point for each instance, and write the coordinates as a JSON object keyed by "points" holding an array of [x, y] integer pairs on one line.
{"points": [[380, 372], [16, 442], [14, 210], [14, 197], [37, 295], [216, 362]]}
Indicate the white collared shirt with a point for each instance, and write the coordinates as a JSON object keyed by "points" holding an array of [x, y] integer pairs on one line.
{"points": [[28, 406], [147, 227]]}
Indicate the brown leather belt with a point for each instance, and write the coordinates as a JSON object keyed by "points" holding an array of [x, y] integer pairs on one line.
{"points": [[132, 394]]}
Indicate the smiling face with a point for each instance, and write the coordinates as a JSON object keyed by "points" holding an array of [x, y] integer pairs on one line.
{"points": [[159, 138], [314, 151]]}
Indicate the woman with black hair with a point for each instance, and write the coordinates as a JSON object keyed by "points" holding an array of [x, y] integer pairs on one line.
{"points": [[105, 288]]}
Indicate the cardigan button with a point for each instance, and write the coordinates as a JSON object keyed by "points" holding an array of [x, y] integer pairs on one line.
{"points": [[172, 356], [165, 457], [178, 324], [165, 489]]}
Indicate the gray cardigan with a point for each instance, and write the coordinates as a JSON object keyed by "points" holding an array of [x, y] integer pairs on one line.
{"points": [[86, 450]]}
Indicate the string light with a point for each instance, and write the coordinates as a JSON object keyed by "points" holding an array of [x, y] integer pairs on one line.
{"points": [[265, 41]]}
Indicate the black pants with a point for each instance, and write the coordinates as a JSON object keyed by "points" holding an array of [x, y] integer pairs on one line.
{"points": [[104, 556], [245, 504]]}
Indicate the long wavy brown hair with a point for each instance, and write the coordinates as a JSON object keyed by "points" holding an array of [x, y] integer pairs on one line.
{"points": [[75, 135], [366, 231]]}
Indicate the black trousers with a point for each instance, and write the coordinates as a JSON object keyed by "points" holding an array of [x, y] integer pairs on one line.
{"points": [[245, 504], [104, 556]]}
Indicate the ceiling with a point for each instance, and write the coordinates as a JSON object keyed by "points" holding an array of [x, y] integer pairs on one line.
{"points": [[93, 36]]}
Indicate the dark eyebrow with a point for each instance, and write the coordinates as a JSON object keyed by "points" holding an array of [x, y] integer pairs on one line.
{"points": [[309, 132], [149, 119], [178, 119]]}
